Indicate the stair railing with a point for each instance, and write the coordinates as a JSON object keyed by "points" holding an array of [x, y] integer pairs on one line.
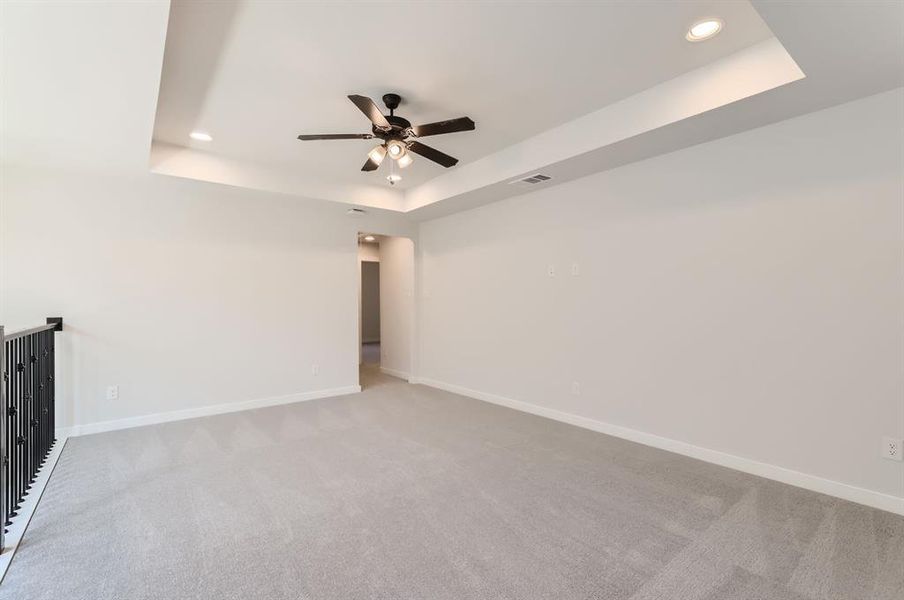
{"points": [[27, 420]]}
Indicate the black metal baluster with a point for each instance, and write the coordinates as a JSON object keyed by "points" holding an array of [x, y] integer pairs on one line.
{"points": [[34, 440], [7, 425], [21, 415], [17, 444], [33, 409], [4, 423], [37, 424], [29, 439], [42, 406], [4, 378], [35, 403], [48, 394], [52, 419], [26, 414], [17, 449]]}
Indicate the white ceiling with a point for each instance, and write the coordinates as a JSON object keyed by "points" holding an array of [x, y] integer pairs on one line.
{"points": [[81, 83], [256, 74]]}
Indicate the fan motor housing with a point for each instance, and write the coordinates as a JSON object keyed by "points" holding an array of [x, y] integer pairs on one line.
{"points": [[399, 130]]}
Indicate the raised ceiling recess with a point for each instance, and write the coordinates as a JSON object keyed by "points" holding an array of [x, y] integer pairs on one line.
{"points": [[564, 89]]}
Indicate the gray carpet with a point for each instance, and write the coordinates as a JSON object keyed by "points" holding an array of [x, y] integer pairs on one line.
{"points": [[406, 492]]}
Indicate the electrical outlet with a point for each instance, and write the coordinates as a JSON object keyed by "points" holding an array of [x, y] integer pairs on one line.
{"points": [[575, 388], [315, 370], [551, 270], [575, 269], [112, 392], [893, 448]]}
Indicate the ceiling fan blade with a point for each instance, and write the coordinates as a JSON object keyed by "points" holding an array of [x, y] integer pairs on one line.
{"points": [[433, 154], [336, 136], [370, 110], [449, 126], [370, 165]]}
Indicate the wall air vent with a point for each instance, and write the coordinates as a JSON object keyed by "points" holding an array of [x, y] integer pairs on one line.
{"points": [[538, 178]]}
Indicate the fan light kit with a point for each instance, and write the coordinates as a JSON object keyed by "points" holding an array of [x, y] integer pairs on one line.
{"points": [[377, 154], [396, 134], [393, 177], [396, 149], [704, 30]]}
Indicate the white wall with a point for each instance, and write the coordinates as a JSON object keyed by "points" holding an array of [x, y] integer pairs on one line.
{"points": [[396, 305], [185, 294], [743, 296], [368, 251]]}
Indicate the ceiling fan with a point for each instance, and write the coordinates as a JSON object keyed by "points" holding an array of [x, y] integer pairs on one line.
{"points": [[396, 134]]}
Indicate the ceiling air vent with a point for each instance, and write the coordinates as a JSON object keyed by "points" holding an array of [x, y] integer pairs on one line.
{"points": [[538, 178]]}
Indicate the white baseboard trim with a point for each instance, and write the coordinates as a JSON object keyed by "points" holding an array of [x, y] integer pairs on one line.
{"points": [[395, 373], [203, 411], [813, 483], [20, 522]]}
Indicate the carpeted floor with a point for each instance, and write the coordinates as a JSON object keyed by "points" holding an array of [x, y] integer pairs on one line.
{"points": [[406, 492]]}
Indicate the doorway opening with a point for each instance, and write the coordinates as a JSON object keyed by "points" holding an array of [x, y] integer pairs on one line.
{"points": [[370, 302], [386, 307]]}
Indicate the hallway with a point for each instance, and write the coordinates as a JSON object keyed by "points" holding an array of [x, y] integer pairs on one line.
{"points": [[370, 354]]}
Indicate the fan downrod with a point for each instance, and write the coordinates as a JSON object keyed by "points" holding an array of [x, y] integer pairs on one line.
{"points": [[392, 101]]}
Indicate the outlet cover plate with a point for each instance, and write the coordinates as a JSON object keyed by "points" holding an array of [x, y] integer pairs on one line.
{"points": [[893, 448]]}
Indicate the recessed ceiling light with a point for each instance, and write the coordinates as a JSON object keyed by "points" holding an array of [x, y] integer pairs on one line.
{"points": [[369, 238], [703, 30], [200, 136]]}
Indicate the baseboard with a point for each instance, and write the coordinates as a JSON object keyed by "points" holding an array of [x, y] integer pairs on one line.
{"points": [[16, 530], [204, 411], [813, 483], [395, 373]]}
